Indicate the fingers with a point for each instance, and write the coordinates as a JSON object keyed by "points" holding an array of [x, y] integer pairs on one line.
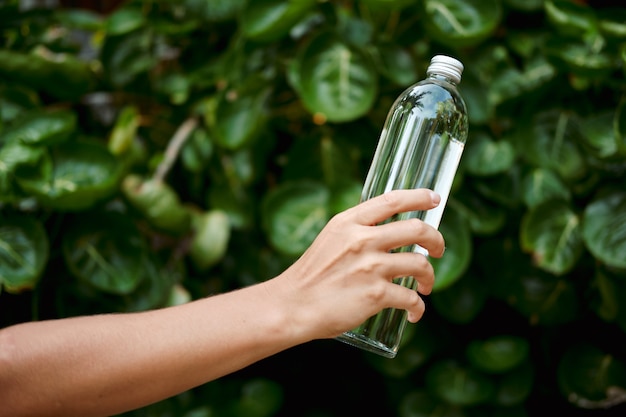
{"points": [[408, 300], [381, 207], [410, 232], [404, 264]]}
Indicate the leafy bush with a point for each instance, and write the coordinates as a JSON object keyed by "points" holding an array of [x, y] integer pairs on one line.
{"points": [[169, 150]]}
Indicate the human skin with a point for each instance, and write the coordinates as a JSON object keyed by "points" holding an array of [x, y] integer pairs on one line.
{"points": [[106, 364]]}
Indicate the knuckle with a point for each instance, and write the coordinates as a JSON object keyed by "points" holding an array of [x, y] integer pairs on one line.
{"points": [[391, 199], [418, 225], [377, 292]]}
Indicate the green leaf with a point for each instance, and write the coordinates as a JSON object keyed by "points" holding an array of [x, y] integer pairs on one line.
{"points": [[41, 127], [462, 301], [63, 76], [215, 10], [540, 185], [293, 214], [77, 176], [395, 63], [240, 120], [571, 18], [424, 404], [551, 232], [336, 82], [485, 156], [498, 354], [604, 228], [158, 203], [269, 20], [455, 261], [124, 20], [551, 141], [211, 234], [459, 385], [418, 345], [612, 22], [14, 155], [515, 386], [197, 151], [579, 58], [157, 286], [461, 23], [24, 251], [260, 397], [127, 56], [123, 133], [105, 251], [590, 377], [484, 218], [545, 300]]}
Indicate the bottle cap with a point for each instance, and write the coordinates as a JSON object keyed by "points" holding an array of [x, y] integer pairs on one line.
{"points": [[447, 66]]}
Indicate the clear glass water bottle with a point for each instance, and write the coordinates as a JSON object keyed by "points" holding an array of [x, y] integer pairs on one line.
{"points": [[420, 147]]}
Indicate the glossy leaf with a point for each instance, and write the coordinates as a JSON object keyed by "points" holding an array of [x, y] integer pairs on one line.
{"points": [[396, 64], [78, 176], [418, 345], [197, 151], [544, 300], [456, 259], [293, 215], [41, 127], [123, 21], [571, 18], [498, 353], [158, 203], [458, 23], [106, 252], [604, 228], [423, 404], [123, 134], [62, 76], [551, 232], [155, 290], [459, 385], [590, 377], [24, 252], [580, 58], [336, 83], [462, 301], [238, 121], [260, 397], [211, 234], [541, 185], [483, 217], [14, 155], [515, 386], [267, 20], [551, 141], [485, 156]]}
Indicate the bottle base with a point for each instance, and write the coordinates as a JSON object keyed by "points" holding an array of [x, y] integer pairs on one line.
{"points": [[367, 344]]}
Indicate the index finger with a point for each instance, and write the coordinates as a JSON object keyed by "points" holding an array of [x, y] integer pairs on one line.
{"points": [[379, 208]]}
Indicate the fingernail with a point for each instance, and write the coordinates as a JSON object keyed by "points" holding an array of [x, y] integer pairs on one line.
{"points": [[436, 198]]}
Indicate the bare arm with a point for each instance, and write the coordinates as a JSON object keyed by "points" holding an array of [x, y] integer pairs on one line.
{"points": [[107, 364]]}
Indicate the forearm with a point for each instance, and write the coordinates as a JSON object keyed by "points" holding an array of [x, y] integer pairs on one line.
{"points": [[103, 365]]}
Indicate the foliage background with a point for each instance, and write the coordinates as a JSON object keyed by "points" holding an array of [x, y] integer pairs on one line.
{"points": [[153, 152]]}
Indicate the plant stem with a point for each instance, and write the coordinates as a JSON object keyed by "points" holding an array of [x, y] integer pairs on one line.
{"points": [[174, 146]]}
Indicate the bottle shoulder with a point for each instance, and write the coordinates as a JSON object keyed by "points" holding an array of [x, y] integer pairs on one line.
{"points": [[432, 93]]}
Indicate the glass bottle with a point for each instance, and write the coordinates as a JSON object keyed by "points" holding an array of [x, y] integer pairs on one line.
{"points": [[420, 147]]}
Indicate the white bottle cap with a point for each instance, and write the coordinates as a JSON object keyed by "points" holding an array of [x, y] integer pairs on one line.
{"points": [[446, 66]]}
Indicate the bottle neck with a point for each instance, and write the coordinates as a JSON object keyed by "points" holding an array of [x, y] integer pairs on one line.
{"points": [[442, 77]]}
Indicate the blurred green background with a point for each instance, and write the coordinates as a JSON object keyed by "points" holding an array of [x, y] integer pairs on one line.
{"points": [[154, 152]]}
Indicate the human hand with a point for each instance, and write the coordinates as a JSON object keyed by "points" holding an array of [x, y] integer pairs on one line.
{"points": [[346, 275]]}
